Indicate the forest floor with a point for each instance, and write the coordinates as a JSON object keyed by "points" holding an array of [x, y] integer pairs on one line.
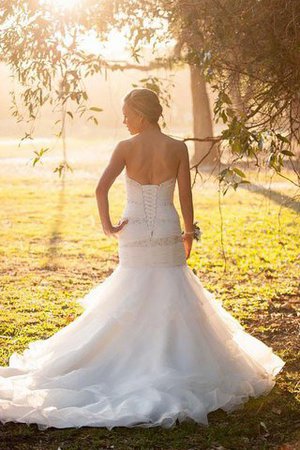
{"points": [[53, 251]]}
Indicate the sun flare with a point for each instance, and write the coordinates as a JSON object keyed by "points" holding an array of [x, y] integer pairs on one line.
{"points": [[113, 48], [64, 4]]}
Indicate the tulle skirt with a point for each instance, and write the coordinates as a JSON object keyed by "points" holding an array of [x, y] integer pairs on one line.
{"points": [[151, 346]]}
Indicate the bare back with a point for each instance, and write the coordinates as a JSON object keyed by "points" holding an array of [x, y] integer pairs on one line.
{"points": [[152, 158]]}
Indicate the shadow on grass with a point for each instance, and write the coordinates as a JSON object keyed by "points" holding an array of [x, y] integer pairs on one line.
{"points": [[55, 238], [277, 197]]}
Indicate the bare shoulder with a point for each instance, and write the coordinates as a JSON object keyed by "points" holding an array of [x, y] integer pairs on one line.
{"points": [[177, 145], [125, 143], [122, 147]]}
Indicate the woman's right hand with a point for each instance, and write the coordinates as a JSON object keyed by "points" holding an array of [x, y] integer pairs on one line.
{"points": [[187, 242], [116, 229]]}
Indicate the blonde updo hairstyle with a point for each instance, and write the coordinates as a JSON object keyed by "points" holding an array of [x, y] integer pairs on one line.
{"points": [[145, 102]]}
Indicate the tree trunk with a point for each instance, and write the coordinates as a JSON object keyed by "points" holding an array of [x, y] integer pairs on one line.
{"points": [[238, 104], [295, 127], [202, 121]]}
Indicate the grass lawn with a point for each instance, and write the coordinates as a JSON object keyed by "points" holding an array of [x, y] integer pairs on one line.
{"points": [[53, 251]]}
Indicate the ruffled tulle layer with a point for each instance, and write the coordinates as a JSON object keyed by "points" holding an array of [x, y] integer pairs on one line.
{"points": [[152, 346]]}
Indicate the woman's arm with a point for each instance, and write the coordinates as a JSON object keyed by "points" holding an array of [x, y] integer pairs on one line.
{"points": [[114, 168], [185, 191], [185, 197]]}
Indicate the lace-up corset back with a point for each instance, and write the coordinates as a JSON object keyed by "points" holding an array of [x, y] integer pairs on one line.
{"points": [[152, 235]]}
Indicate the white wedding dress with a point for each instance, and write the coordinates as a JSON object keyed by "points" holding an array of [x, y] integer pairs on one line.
{"points": [[152, 345]]}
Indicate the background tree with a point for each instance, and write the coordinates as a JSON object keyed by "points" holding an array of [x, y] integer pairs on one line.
{"points": [[251, 47], [247, 52]]}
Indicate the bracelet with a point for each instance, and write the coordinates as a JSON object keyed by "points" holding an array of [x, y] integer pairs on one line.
{"points": [[196, 233]]}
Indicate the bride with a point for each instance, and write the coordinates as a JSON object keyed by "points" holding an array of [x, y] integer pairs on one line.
{"points": [[152, 345]]}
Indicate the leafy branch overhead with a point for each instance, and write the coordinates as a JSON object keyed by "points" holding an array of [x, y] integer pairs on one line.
{"points": [[247, 52]]}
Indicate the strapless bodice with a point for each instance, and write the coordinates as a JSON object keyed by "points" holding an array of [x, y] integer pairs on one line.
{"points": [[152, 235]]}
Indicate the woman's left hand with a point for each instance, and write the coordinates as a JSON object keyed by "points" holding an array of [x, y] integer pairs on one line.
{"points": [[187, 242]]}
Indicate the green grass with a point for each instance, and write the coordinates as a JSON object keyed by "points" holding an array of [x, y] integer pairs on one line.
{"points": [[53, 251]]}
